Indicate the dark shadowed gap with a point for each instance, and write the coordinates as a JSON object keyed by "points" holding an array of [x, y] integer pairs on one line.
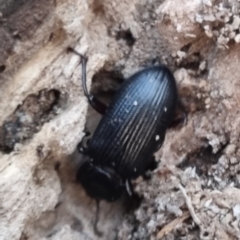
{"points": [[28, 118]]}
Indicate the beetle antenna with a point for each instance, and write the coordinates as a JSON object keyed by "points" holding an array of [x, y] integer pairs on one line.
{"points": [[84, 72], [94, 102], [69, 49], [99, 233]]}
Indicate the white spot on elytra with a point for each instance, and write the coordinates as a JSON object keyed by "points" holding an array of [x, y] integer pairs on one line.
{"points": [[135, 103], [165, 109], [157, 137], [134, 169]]}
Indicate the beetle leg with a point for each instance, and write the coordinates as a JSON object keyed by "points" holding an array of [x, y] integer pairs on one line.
{"points": [[93, 101], [98, 233], [129, 188], [152, 166], [184, 112], [182, 119], [81, 148]]}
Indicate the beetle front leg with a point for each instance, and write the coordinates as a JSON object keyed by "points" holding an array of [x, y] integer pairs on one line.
{"points": [[99, 106]]}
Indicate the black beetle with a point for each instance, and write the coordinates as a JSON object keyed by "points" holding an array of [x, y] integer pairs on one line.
{"points": [[131, 130]]}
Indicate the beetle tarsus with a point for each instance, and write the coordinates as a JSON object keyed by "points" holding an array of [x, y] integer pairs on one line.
{"points": [[98, 105], [95, 228]]}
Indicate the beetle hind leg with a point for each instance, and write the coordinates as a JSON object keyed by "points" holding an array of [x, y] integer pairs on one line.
{"points": [[99, 106], [181, 116], [129, 188]]}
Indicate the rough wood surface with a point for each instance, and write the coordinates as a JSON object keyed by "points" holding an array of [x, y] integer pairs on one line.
{"points": [[43, 114]]}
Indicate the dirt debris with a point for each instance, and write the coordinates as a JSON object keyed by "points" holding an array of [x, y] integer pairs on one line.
{"points": [[198, 40], [28, 118], [220, 21]]}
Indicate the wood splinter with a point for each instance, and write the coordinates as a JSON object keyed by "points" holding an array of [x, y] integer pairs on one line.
{"points": [[190, 206], [170, 226]]}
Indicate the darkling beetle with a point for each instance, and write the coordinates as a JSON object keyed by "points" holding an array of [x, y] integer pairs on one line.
{"points": [[131, 130]]}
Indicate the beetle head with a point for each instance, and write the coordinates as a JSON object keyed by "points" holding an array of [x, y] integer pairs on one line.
{"points": [[101, 183]]}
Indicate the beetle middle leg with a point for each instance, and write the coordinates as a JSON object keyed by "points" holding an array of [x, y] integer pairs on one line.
{"points": [[98, 105], [180, 116]]}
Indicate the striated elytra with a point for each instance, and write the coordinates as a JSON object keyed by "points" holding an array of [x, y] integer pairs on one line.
{"points": [[131, 130]]}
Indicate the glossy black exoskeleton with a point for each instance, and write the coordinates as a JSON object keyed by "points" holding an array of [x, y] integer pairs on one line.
{"points": [[131, 130]]}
